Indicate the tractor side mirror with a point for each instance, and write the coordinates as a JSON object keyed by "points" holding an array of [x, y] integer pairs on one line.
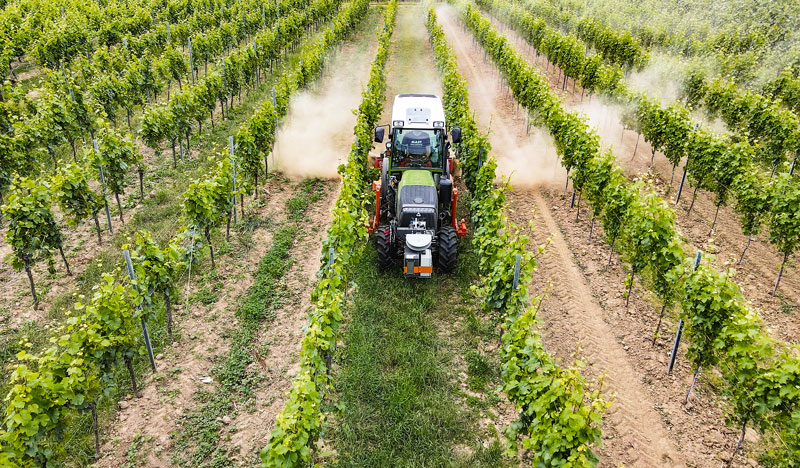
{"points": [[379, 133], [456, 133]]}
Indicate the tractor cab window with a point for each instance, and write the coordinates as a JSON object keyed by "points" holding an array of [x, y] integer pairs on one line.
{"points": [[417, 148]]}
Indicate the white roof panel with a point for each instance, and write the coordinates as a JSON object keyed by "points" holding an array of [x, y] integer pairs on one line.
{"points": [[417, 110]]}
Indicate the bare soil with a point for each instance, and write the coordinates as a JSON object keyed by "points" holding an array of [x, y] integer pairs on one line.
{"points": [[584, 314], [187, 363], [757, 274]]}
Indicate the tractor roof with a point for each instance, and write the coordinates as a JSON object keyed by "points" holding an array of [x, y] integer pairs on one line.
{"points": [[418, 111]]}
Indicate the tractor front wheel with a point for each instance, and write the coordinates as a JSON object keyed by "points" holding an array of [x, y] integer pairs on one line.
{"points": [[385, 260], [448, 250]]}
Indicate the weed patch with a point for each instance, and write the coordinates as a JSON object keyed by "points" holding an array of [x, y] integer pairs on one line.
{"points": [[198, 442], [398, 404]]}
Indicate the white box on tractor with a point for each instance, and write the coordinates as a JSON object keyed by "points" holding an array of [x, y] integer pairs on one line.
{"points": [[415, 200]]}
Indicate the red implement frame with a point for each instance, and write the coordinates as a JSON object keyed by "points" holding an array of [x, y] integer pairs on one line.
{"points": [[460, 226], [376, 187]]}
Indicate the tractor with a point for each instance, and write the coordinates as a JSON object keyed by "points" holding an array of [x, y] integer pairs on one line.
{"points": [[415, 200]]}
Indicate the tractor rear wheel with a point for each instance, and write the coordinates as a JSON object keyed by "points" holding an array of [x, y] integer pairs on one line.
{"points": [[385, 259], [448, 250]]}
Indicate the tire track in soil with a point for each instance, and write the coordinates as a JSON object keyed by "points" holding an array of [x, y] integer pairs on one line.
{"points": [[633, 431], [341, 87], [757, 274], [164, 399], [638, 436], [698, 428]]}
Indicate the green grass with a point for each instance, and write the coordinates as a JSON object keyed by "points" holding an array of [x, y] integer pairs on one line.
{"points": [[479, 370], [412, 67], [198, 442], [398, 402], [312, 191]]}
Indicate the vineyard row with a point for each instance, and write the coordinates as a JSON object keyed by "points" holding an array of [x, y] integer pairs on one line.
{"points": [[71, 374], [723, 166], [761, 376], [559, 416], [298, 426]]}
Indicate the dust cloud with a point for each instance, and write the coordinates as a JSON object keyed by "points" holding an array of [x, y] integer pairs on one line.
{"points": [[661, 78], [604, 118], [316, 136], [532, 162]]}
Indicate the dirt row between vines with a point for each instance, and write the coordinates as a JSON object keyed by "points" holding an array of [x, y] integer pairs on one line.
{"points": [[583, 313], [143, 427], [338, 93], [759, 270], [186, 365]]}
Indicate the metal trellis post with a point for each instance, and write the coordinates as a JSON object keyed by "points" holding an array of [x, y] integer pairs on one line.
{"points": [[145, 333], [673, 355], [233, 166], [103, 183]]}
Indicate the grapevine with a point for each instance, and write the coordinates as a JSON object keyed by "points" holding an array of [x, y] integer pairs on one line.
{"points": [[744, 352], [76, 199], [298, 426], [32, 229], [559, 418]]}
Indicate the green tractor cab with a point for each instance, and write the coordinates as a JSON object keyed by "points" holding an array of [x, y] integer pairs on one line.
{"points": [[415, 201]]}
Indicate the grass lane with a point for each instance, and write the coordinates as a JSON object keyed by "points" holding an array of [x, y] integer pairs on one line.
{"points": [[198, 440], [412, 385], [400, 385]]}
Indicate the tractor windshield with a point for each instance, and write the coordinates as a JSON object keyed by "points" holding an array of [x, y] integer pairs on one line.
{"points": [[418, 148]]}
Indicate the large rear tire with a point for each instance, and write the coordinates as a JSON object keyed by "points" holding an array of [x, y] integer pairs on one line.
{"points": [[385, 260], [448, 250]]}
